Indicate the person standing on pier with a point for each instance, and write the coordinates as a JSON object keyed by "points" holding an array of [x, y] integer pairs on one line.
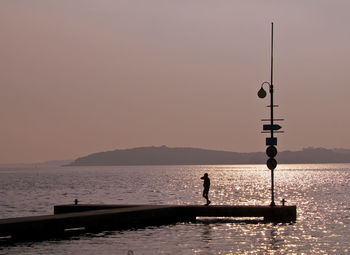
{"points": [[206, 185]]}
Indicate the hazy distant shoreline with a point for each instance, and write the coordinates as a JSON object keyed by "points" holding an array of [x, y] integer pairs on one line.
{"points": [[164, 155]]}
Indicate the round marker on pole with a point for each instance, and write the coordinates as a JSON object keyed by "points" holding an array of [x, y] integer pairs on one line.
{"points": [[271, 163], [271, 151]]}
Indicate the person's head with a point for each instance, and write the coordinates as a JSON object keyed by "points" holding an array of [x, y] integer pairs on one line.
{"points": [[205, 175]]}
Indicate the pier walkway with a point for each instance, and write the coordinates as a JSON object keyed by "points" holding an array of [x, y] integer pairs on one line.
{"points": [[111, 217]]}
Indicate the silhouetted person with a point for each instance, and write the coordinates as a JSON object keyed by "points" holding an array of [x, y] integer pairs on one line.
{"points": [[206, 185]]}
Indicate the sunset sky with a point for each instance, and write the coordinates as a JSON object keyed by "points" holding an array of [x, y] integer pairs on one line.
{"points": [[84, 76]]}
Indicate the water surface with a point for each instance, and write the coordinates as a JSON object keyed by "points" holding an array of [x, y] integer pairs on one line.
{"points": [[319, 191]]}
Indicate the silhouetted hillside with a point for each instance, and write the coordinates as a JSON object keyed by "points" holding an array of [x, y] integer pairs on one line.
{"points": [[193, 156], [315, 155]]}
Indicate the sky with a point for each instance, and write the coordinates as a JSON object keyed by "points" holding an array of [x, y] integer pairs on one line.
{"points": [[84, 76]]}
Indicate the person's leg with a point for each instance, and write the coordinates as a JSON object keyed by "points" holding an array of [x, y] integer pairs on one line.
{"points": [[205, 195], [208, 201]]}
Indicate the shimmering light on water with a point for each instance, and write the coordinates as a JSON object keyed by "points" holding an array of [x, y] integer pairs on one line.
{"points": [[319, 191]]}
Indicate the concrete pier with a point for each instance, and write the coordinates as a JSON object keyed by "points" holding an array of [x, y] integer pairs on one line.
{"points": [[111, 217], [270, 214]]}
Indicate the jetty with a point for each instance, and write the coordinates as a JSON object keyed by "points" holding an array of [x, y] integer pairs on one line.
{"points": [[91, 218]]}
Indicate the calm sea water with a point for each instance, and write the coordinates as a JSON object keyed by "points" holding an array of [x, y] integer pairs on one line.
{"points": [[321, 193]]}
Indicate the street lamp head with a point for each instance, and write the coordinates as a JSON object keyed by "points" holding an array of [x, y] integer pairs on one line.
{"points": [[261, 93]]}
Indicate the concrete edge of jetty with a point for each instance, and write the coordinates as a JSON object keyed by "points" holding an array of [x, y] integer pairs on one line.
{"points": [[95, 218]]}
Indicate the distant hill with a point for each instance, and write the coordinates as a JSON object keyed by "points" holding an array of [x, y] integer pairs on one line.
{"points": [[315, 155], [164, 155], [51, 163]]}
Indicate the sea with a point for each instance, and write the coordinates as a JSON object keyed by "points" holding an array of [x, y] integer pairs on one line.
{"points": [[320, 192]]}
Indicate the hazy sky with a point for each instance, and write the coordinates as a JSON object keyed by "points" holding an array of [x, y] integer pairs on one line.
{"points": [[83, 76]]}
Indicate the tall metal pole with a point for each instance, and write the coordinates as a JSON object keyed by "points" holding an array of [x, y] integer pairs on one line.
{"points": [[271, 141], [271, 118]]}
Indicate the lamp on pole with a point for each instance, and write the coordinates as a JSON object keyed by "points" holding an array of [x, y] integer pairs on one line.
{"points": [[271, 128]]}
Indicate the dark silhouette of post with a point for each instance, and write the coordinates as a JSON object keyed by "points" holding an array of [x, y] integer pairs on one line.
{"points": [[271, 151], [271, 117]]}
